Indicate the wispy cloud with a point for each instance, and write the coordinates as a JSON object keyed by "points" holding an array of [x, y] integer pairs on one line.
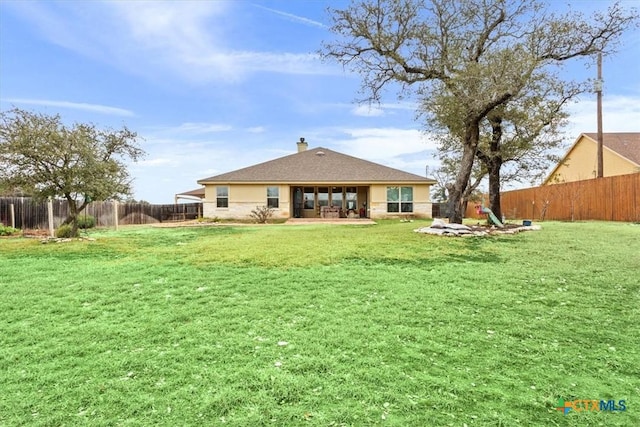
{"points": [[96, 108], [382, 144], [196, 128], [293, 18], [367, 111], [621, 113], [377, 110], [195, 42], [156, 162]]}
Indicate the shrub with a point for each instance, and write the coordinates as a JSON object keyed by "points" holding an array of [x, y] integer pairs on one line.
{"points": [[8, 231], [262, 214], [64, 231], [86, 221]]}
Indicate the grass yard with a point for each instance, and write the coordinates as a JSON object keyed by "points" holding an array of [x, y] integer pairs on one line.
{"points": [[321, 325]]}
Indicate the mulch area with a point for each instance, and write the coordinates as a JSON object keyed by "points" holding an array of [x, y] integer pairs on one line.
{"points": [[34, 233]]}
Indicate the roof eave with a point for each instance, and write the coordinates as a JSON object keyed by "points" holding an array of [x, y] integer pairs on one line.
{"points": [[320, 182]]}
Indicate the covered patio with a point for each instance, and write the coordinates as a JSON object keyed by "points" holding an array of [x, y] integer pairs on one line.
{"points": [[332, 201]]}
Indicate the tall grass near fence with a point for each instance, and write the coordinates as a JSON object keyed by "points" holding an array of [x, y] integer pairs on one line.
{"points": [[32, 214]]}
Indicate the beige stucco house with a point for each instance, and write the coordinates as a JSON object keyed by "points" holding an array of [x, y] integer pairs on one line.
{"points": [[621, 156], [317, 183]]}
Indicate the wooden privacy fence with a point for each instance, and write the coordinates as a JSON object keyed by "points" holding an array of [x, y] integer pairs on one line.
{"points": [[614, 198], [28, 213]]}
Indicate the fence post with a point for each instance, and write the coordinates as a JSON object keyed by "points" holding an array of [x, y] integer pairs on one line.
{"points": [[22, 213], [115, 213], [50, 214], [12, 215]]}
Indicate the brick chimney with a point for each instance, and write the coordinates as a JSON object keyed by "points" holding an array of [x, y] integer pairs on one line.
{"points": [[302, 146]]}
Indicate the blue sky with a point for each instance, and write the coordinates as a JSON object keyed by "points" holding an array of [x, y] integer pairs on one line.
{"points": [[213, 86]]}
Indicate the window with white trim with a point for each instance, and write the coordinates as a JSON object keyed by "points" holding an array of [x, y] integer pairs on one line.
{"points": [[400, 199], [222, 197], [273, 197]]}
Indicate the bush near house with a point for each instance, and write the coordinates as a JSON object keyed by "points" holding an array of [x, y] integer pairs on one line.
{"points": [[262, 214]]}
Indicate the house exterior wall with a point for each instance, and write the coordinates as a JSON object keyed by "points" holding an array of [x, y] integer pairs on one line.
{"points": [[581, 163], [378, 204], [244, 198]]}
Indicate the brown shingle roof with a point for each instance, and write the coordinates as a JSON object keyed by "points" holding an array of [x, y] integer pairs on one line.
{"points": [[625, 144], [317, 165], [198, 192]]}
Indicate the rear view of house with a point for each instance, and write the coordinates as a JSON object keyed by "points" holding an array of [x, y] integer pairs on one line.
{"points": [[317, 183]]}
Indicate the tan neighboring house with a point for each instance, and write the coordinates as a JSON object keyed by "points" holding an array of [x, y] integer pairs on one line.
{"points": [[195, 195], [317, 183], [621, 156]]}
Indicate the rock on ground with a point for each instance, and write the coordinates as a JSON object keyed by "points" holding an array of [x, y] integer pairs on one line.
{"points": [[442, 228]]}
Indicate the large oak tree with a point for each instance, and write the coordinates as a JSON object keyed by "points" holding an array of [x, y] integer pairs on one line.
{"points": [[517, 139], [79, 163], [480, 53]]}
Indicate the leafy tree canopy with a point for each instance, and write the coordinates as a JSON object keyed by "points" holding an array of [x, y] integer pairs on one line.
{"points": [[478, 54], [79, 163]]}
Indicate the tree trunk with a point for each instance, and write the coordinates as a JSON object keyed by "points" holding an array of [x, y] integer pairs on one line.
{"points": [[493, 162], [494, 187], [456, 198], [73, 215]]}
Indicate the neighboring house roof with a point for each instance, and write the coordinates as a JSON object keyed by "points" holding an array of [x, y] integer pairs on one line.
{"points": [[316, 165], [198, 192], [626, 145], [623, 144]]}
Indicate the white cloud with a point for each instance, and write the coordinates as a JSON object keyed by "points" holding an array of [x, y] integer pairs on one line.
{"points": [[96, 108], [384, 143], [256, 129], [192, 41], [367, 111], [197, 128], [620, 113], [186, 136], [156, 162], [405, 149], [384, 109]]}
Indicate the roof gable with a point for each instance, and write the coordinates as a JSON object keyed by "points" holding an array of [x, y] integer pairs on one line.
{"points": [[623, 144], [316, 165], [626, 145]]}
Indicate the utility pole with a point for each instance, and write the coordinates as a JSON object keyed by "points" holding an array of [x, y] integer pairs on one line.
{"points": [[598, 88]]}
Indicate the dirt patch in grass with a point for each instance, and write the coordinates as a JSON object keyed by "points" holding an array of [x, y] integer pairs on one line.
{"points": [[34, 233]]}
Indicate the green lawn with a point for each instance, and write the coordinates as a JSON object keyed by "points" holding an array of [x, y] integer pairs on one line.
{"points": [[320, 325]]}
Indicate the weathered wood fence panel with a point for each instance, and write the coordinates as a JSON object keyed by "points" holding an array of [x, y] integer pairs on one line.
{"points": [[615, 198], [32, 214]]}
